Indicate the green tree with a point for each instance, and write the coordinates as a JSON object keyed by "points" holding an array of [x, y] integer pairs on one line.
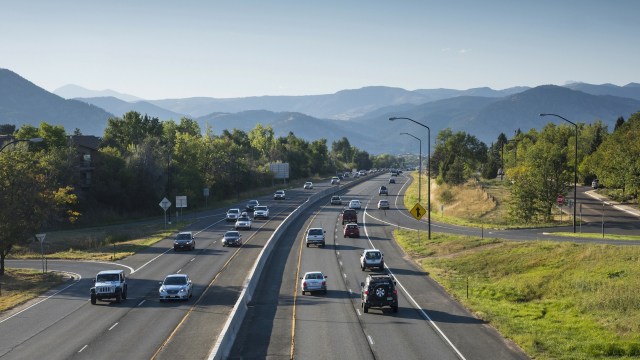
{"points": [[132, 129], [29, 199], [544, 171]]}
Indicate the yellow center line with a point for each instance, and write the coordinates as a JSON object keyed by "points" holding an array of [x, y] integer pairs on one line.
{"points": [[295, 293]]}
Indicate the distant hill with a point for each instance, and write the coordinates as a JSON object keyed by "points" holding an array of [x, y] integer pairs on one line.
{"points": [[74, 91], [301, 125], [119, 107], [342, 105], [486, 118], [361, 115], [631, 90], [22, 102]]}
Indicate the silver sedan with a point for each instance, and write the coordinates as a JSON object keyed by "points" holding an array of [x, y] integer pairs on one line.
{"points": [[313, 281], [176, 287]]}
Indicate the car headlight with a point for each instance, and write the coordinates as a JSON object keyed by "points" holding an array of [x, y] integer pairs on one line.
{"points": [[183, 290]]}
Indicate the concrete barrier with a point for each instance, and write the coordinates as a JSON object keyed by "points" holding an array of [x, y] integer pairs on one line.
{"points": [[227, 337]]}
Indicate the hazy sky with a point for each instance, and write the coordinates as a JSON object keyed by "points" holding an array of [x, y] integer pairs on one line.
{"points": [[173, 49]]}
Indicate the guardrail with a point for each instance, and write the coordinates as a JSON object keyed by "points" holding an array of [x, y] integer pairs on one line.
{"points": [[227, 337]]}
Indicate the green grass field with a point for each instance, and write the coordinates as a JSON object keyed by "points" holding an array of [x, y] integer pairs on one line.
{"points": [[555, 300]]}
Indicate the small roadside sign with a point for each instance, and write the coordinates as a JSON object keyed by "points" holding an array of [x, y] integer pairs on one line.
{"points": [[560, 200], [165, 204], [417, 211], [181, 201]]}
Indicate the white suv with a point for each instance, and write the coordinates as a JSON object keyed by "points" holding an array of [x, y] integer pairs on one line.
{"points": [[233, 214], [372, 258], [109, 284]]}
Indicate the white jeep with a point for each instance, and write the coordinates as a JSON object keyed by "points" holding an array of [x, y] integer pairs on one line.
{"points": [[109, 284]]}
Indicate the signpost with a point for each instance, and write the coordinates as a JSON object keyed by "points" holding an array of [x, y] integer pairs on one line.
{"points": [[40, 238], [205, 192], [165, 204], [181, 203]]}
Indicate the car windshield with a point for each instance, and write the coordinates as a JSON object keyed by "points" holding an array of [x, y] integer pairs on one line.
{"points": [[244, 218], [260, 208], [314, 276], [107, 277], [315, 231], [232, 234], [175, 280], [373, 255], [184, 237], [233, 211]]}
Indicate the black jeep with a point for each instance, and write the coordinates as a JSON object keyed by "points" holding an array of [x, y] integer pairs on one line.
{"points": [[379, 291]]}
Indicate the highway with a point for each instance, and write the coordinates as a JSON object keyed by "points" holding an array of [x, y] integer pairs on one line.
{"points": [[280, 322], [65, 325]]}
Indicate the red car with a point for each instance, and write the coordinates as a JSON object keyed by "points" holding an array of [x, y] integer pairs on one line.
{"points": [[351, 230]]}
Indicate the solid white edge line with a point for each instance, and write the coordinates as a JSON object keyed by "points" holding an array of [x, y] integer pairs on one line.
{"points": [[84, 347], [370, 340], [112, 326], [413, 301], [141, 302]]}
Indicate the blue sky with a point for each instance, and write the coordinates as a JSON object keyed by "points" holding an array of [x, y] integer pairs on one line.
{"points": [[172, 49]]}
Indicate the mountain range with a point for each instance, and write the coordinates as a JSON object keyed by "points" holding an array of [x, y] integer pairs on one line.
{"points": [[361, 115]]}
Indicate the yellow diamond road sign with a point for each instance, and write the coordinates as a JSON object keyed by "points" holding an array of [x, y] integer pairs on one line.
{"points": [[417, 211]]}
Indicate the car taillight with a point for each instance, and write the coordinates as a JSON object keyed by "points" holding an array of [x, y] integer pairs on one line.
{"points": [[304, 284], [366, 292], [324, 283], [395, 292]]}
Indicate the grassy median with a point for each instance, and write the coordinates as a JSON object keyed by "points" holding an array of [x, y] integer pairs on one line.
{"points": [[20, 285]]}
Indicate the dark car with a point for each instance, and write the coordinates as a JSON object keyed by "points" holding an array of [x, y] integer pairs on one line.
{"points": [[392, 181], [349, 216], [383, 190], [232, 238], [251, 205], [379, 291], [184, 241]]}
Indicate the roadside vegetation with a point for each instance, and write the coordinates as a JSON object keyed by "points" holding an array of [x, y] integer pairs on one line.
{"points": [[555, 300], [18, 286]]}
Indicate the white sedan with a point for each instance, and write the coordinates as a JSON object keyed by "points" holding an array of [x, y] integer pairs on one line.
{"points": [[176, 287], [355, 204], [313, 281]]}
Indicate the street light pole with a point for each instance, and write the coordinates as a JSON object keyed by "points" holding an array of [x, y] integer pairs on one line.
{"points": [[33, 140], [428, 167], [575, 168], [419, 165]]}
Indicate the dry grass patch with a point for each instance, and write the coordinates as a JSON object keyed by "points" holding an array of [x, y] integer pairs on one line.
{"points": [[21, 285]]}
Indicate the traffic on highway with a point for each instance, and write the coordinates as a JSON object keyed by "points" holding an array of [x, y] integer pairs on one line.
{"points": [[252, 287]]}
